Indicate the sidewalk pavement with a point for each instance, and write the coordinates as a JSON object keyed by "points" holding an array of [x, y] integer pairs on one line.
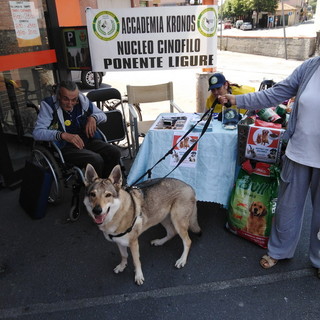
{"points": [[56, 270]]}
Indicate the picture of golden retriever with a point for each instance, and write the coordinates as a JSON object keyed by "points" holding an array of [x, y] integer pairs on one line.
{"points": [[256, 223]]}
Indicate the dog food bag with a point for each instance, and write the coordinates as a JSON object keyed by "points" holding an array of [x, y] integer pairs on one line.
{"points": [[253, 201]]}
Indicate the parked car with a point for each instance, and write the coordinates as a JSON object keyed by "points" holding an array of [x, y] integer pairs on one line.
{"points": [[86, 78], [238, 24], [227, 25], [246, 26]]}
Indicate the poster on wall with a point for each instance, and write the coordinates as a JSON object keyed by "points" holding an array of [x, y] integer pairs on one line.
{"points": [[153, 38], [24, 16]]}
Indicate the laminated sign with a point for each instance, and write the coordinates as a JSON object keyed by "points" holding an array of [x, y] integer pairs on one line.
{"points": [[264, 144]]}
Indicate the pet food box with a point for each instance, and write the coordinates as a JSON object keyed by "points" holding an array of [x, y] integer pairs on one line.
{"points": [[259, 141]]}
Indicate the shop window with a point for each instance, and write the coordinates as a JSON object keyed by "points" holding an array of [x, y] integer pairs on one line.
{"points": [[20, 95]]}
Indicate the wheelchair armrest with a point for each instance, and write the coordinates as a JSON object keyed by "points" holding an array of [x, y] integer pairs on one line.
{"points": [[56, 149], [104, 138]]}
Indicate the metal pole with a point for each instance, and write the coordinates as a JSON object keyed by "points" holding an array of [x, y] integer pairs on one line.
{"points": [[284, 32], [221, 5]]}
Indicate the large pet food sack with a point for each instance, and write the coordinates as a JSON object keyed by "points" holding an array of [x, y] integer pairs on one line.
{"points": [[253, 202]]}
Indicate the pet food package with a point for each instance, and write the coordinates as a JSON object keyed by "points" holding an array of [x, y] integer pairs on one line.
{"points": [[253, 201]]}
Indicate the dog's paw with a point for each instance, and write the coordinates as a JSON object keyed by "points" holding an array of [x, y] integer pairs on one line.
{"points": [[119, 268], [180, 263], [139, 279]]}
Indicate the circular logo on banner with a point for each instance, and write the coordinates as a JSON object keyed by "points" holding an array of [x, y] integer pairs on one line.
{"points": [[207, 22], [106, 25]]}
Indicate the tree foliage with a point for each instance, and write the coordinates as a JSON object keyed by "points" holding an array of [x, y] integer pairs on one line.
{"points": [[238, 8]]}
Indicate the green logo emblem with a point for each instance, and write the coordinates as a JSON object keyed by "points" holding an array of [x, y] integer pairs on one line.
{"points": [[106, 25], [207, 22]]}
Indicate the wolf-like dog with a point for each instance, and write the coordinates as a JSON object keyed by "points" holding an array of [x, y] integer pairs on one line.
{"points": [[123, 214]]}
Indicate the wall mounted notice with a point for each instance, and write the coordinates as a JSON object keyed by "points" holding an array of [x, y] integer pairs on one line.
{"points": [[153, 38], [24, 16]]}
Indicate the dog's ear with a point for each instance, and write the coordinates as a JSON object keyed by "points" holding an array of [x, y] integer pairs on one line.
{"points": [[264, 213], [90, 175], [116, 177]]}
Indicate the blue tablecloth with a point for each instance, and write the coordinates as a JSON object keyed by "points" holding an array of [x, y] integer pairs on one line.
{"points": [[214, 172]]}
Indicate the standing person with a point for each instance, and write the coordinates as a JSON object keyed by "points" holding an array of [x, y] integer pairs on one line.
{"points": [[301, 162], [218, 85], [70, 120]]}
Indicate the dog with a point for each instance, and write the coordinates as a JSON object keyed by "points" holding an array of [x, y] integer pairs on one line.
{"points": [[256, 223], [272, 154], [251, 152], [259, 138], [175, 156], [264, 137], [192, 157], [122, 215], [184, 143]]}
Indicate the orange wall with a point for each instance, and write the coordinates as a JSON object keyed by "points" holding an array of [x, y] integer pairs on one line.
{"points": [[69, 13]]}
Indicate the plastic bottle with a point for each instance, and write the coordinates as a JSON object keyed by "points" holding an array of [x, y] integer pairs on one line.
{"points": [[269, 115]]}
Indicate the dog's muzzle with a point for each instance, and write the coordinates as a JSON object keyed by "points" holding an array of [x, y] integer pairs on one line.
{"points": [[256, 212], [98, 217]]}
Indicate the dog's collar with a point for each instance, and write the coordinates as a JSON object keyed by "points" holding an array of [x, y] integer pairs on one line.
{"points": [[111, 236], [123, 233]]}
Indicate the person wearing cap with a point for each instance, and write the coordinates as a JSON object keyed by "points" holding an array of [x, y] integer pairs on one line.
{"points": [[219, 86]]}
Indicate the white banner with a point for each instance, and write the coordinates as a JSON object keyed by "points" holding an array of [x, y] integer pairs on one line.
{"points": [[154, 38]]}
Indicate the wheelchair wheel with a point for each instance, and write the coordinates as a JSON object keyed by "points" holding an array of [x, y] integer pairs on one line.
{"points": [[42, 157], [74, 213]]}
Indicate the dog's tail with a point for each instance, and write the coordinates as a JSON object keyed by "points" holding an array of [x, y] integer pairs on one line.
{"points": [[194, 225]]}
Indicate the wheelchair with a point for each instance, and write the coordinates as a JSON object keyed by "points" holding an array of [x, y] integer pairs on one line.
{"points": [[49, 156]]}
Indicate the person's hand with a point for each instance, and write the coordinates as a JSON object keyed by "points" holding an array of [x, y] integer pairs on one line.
{"points": [[91, 127], [227, 98], [73, 138]]}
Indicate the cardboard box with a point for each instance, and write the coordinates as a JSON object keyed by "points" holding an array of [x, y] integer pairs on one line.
{"points": [[259, 143]]}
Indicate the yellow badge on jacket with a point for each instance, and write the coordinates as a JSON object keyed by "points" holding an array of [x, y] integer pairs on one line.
{"points": [[67, 123]]}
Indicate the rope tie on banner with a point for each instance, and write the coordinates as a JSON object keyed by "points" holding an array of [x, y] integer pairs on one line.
{"points": [[210, 112]]}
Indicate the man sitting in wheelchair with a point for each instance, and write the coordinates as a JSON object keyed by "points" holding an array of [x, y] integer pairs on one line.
{"points": [[70, 120]]}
